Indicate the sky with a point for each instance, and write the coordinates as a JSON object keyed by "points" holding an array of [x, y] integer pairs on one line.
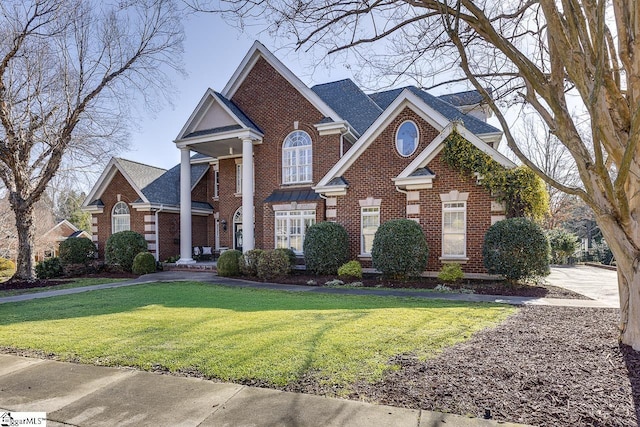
{"points": [[213, 51]]}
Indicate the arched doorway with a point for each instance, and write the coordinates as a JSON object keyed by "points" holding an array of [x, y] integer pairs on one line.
{"points": [[237, 229]]}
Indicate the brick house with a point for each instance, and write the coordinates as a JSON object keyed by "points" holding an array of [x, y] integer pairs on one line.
{"points": [[273, 156]]}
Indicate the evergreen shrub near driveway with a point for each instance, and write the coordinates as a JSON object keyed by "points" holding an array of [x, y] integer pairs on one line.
{"points": [[77, 251], [229, 263], [273, 264], [49, 268], [400, 249], [249, 262], [326, 247], [122, 247], [517, 249], [144, 263]]}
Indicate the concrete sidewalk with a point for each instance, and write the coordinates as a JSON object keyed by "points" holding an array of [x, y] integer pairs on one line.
{"points": [[172, 276], [85, 395]]}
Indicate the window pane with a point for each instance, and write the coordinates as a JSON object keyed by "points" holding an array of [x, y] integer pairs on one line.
{"points": [[453, 244], [368, 243]]}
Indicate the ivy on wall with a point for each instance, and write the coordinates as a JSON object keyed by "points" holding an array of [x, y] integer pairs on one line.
{"points": [[520, 189]]}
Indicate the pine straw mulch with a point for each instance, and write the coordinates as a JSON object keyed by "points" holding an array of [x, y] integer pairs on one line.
{"points": [[546, 366]]}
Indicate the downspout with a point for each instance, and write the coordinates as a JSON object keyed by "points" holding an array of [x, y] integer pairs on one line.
{"points": [[158, 234]]}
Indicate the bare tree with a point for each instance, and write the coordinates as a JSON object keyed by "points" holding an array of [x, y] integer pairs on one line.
{"points": [[68, 70], [557, 56]]}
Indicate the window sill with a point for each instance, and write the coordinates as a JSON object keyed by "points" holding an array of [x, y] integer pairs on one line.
{"points": [[297, 184], [237, 194], [364, 256], [451, 259]]}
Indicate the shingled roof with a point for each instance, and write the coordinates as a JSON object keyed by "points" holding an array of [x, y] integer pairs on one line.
{"points": [[165, 190], [141, 174]]}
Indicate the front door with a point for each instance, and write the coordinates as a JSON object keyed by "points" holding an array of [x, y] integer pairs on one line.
{"points": [[237, 236]]}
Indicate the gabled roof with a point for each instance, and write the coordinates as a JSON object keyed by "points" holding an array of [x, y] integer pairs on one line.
{"points": [[348, 100], [229, 117], [258, 50], [475, 125], [61, 226], [138, 175], [460, 99], [165, 190]]}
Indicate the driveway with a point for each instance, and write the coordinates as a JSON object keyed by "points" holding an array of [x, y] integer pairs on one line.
{"points": [[596, 283]]}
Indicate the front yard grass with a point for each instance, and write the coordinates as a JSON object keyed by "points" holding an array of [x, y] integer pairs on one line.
{"points": [[237, 334]]}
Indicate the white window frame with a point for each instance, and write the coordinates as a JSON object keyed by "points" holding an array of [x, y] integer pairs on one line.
{"points": [[115, 228], [305, 217], [238, 178], [449, 208], [295, 172], [417, 139], [367, 212], [216, 183]]}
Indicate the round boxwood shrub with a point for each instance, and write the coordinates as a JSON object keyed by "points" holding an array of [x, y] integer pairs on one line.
{"points": [[6, 267], [49, 268], [326, 247], [144, 263], [76, 251], [122, 247], [273, 264], [400, 249], [291, 256], [350, 270], [517, 249], [229, 263], [249, 262]]}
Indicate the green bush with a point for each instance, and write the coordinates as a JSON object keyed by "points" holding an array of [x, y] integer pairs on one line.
{"points": [[517, 249], [78, 250], [49, 268], [451, 272], [121, 248], [326, 247], [400, 249], [273, 264], [229, 263], [291, 256], [563, 245], [249, 262], [144, 263], [350, 270], [7, 267]]}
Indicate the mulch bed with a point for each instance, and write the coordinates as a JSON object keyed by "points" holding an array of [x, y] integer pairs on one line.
{"points": [[546, 366], [38, 283], [484, 287]]}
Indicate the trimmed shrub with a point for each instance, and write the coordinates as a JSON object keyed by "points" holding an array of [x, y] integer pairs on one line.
{"points": [[563, 245], [326, 247], [400, 249], [7, 267], [144, 263], [121, 248], [78, 250], [451, 272], [351, 270], [517, 249], [229, 263], [273, 264], [249, 262], [293, 259], [49, 268]]}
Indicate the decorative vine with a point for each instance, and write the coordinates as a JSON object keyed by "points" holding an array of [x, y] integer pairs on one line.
{"points": [[519, 188]]}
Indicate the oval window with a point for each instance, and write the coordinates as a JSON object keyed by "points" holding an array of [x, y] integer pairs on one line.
{"points": [[407, 139]]}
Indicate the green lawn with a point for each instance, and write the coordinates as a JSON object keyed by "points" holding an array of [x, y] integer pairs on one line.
{"points": [[76, 283], [238, 334]]}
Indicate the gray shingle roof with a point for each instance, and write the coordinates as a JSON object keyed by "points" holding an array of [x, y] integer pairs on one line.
{"points": [[350, 102], [165, 190], [213, 131], [338, 181], [141, 174], [293, 195], [470, 97], [422, 172], [246, 121], [477, 126]]}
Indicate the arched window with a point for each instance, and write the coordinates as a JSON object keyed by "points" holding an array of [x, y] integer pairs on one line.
{"points": [[407, 138], [120, 219], [296, 158]]}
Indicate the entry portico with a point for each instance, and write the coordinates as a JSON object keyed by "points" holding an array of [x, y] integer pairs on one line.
{"points": [[217, 129]]}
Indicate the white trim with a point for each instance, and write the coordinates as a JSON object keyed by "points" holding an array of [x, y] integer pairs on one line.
{"points": [[374, 213], [459, 200], [63, 222], [417, 140], [333, 128], [258, 50]]}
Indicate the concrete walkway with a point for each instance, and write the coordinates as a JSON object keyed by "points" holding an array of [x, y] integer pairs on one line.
{"points": [[86, 395], [172, 276], [596, 283]]}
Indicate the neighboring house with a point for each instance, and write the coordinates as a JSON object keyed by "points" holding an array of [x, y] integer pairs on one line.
{"points": [[48, 245], [274, 156]]}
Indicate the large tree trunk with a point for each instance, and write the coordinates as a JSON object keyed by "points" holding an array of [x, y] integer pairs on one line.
{"points": [[628, 263], [25, 265]]}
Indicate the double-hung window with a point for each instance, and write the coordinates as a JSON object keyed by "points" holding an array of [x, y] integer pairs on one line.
{"points": [[369, 223], [291, 227], [120, 218], [454, 229], [297, 158]]}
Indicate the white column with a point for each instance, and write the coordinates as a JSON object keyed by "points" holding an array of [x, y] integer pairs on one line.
{"points": [[248, 240], [185, 207]]}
